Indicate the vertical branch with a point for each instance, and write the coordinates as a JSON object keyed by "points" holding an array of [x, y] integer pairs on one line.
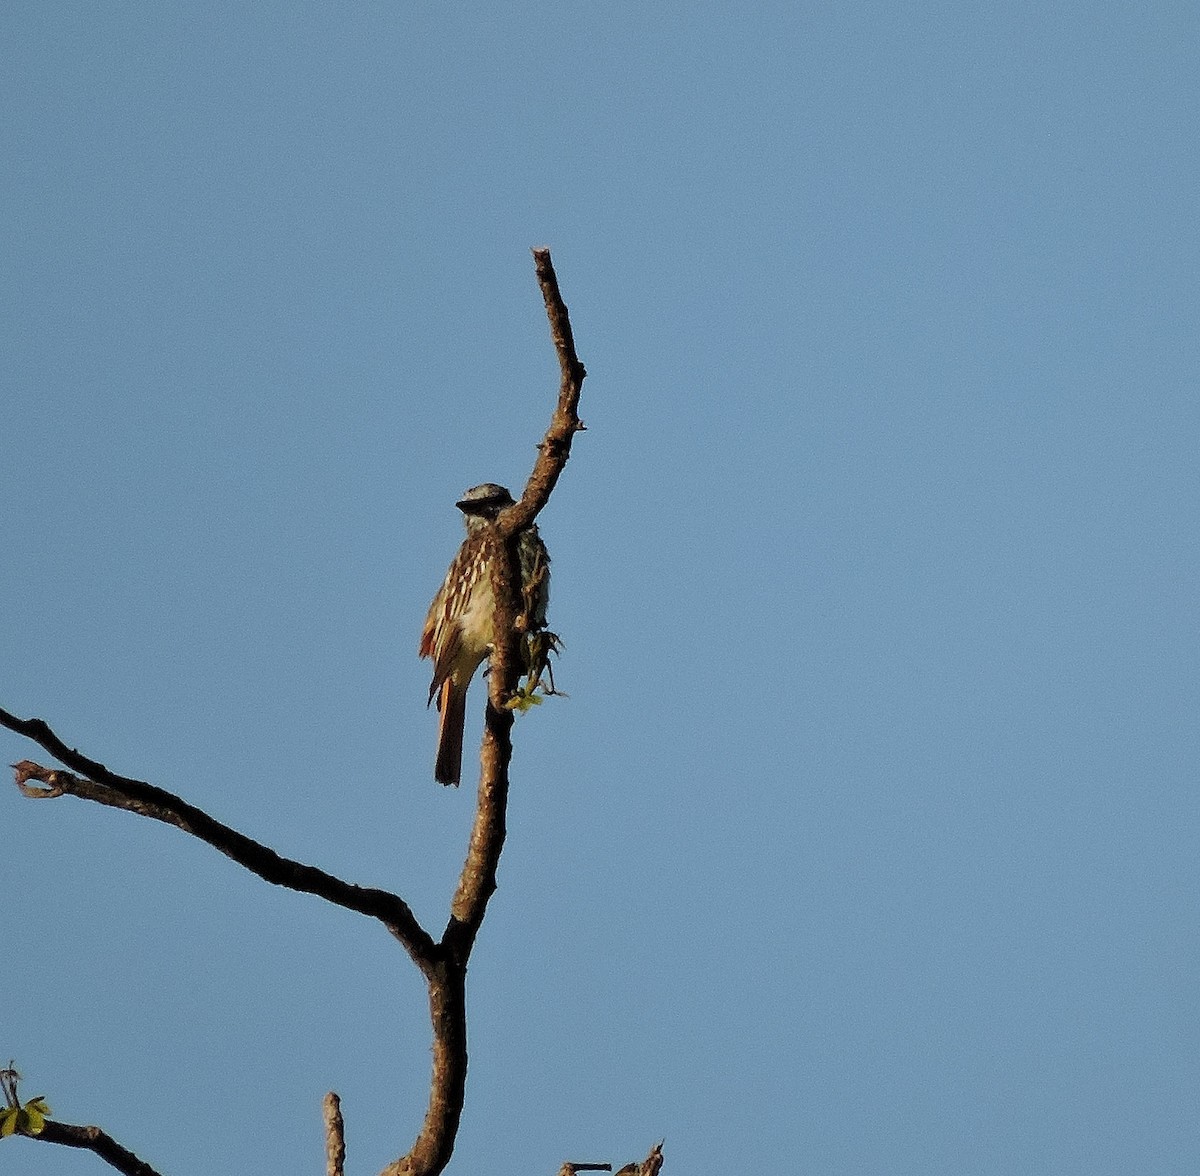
{"points": [[431, 1152], [477, 882]]}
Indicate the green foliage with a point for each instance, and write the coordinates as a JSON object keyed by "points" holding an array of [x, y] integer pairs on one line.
{"points": [[26, 1120], [523, 699]]}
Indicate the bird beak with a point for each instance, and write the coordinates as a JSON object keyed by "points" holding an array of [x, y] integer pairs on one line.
{"points": [[474, 506]]}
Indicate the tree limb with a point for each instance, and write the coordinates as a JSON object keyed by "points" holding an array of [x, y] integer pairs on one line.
{"points": [[136, 796], [477, 882]]}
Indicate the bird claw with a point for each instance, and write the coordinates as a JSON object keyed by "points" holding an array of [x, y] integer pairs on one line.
{"points": [[537, 649]]}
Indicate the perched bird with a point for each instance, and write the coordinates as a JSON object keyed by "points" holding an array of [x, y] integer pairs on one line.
{"points": [[458, 632]]}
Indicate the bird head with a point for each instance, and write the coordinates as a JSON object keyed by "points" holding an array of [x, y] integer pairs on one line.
{"points": [[485, 501]]}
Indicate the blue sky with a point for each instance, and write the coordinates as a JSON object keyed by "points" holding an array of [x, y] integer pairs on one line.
{"points": [[867, 838]]}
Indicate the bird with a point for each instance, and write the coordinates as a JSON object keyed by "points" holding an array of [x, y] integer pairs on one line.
{"points": [[458, 631]]}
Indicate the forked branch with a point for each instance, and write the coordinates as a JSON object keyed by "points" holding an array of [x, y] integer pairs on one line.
{"points": [[444, 962], [650, 1166]]}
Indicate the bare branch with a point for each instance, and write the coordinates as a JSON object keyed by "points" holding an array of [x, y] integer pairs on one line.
{"points": [[335, 1136], [569, 1169], [136, 796], [94, 1140]]}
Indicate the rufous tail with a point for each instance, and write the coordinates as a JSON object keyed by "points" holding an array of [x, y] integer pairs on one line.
{"points": [[453, 707]]}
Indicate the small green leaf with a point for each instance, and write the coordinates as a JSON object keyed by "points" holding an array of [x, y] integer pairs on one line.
{"points": [[39, 1104], [523, 700], [34, 1120], [8, 1122]]}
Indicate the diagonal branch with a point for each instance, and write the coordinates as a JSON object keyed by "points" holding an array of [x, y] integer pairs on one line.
{"points": [[95, 1140], [99, 784], [565, 423]]}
